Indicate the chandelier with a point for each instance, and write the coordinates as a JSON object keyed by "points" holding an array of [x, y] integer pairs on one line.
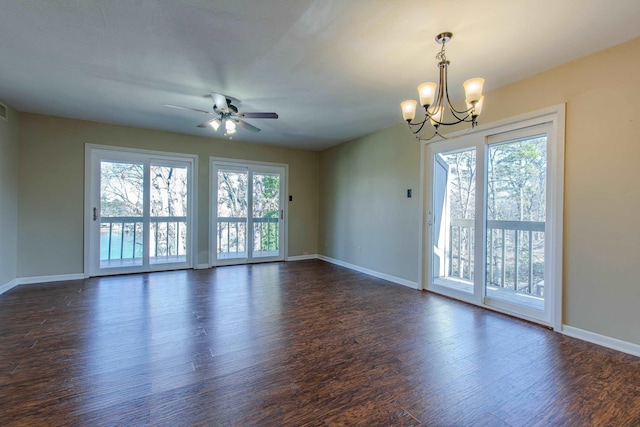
{"points": [[437, 104]]}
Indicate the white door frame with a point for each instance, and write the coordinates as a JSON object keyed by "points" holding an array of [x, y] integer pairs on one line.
{"points": [[555, 117], [93, 152], [213, 197]]}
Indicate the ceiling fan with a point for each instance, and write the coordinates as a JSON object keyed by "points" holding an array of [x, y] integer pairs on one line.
{"points": [[227, 115]]}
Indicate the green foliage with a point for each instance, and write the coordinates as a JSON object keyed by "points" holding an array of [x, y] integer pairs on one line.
{"points": [[516, 180]]}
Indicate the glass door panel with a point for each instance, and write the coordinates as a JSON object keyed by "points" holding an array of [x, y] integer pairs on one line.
{"points": [[121, 214], [232, 214], [454, 204], [516, 215], [266, 215], [168, 240]]}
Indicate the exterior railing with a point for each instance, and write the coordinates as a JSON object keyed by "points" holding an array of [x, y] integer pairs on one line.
{"points": [[514, 252], [121, 237], [232, 235]]}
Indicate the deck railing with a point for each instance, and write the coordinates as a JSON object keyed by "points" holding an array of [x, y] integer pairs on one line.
{"points": [[232, 235], [121, 237], [515, 253]]}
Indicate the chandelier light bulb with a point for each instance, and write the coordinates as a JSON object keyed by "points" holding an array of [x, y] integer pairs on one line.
{"points": [[427, 92], [477, 109], [435, 116], [473, 89], [408, 109]]}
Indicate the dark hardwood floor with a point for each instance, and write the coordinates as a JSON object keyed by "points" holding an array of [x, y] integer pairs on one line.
{"points": [[291, 344]]}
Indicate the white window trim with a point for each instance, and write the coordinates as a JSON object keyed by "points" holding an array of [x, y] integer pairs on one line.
{"points": [[555, 116]]}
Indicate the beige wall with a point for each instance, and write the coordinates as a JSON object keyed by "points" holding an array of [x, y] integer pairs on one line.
{"points": [[8, 197], [51, 186], [366, 218], [602, 188]]}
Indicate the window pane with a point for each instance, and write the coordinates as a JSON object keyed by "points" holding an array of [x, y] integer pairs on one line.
{"points": [[121, 213], [453, 219], [168, 220], [266, 214], [231, 233], [516, 213]]}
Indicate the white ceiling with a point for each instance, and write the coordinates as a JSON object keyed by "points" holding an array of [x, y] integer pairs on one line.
{"points": [[332, 69]]}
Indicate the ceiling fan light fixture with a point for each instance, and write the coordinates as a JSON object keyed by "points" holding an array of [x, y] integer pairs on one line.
{"points": [[227, 114], [215, 124], [230, 126]]}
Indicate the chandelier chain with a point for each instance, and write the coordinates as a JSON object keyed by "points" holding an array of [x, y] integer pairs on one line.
{"points": [[441, 56]]}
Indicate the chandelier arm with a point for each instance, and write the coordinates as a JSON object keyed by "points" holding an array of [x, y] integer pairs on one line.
{"points": [[438, 103], [458, 135], [462, 120], [442, 86], [420, 138], [455, 112], [452, 108], [443, 94], [417, 124], [444, 137]]}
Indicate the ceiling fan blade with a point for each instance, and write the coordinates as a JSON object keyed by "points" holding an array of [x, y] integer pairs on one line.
{"points": [[258, 115], [220, 101], [187, 108], [246, 125], [207, 123]]}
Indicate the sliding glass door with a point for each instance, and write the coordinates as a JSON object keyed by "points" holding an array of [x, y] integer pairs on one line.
{"points": [[487, 220], [249, 212], [139, 213]]}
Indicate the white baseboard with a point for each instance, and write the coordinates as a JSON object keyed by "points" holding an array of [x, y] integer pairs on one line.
{"points": [[202, 267], [10, 285], [302, 257], [44, 279], [603, 340], [373, 273]]}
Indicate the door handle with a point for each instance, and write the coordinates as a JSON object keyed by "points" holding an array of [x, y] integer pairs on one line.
{"points": [[429, 219], [281, 213], [95, 214]]}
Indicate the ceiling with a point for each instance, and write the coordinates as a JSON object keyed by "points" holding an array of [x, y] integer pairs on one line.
{"points": [[333, 70]]}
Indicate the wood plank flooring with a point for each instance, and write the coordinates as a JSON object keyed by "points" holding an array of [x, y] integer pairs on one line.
{"points": [[291, 344]]}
